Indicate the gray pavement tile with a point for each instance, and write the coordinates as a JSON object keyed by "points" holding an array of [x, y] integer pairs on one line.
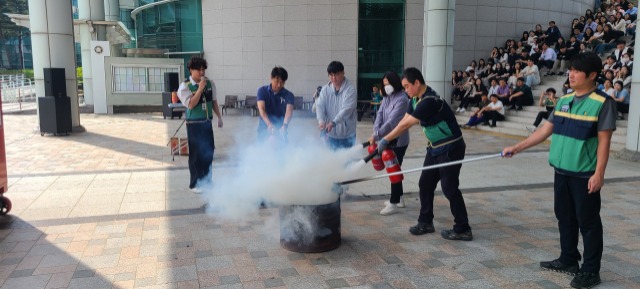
{"points": [[11, 261], [244, 228], [609, 258], [258, 254], [229, 279], [319, 261], [145, 282], [439, 254], [91, 282], [166, 258], [525, 245], [30, 282], [546, 284], [392, 260], [295, 256], [183, 244], [622, 268], [204, 253], [433, 263], [337, 283], [479, 284], [382, 285], [272, 263], [519, 274], [214, 263], [273, 282], [470, 275], [83, 274], [491, 264], [213, 226], [21, 273], [288, 272]]}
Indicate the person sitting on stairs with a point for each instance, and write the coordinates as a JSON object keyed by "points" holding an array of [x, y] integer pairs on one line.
{"points": [[548, 100]]}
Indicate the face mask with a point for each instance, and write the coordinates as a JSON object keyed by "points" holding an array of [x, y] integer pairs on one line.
{"points": [[507, 67], [388, 89], [625, 60]]}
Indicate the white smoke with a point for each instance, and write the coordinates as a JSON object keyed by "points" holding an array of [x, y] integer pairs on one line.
{"points": [[301, 172]]}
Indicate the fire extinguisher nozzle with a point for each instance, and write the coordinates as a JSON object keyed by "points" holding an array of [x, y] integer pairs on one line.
{"points": [[365, 144], [370, 156]]}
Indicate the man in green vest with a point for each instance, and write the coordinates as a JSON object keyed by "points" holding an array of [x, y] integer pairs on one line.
{"points": [[445, 144], [581, 126], [198, 95]]}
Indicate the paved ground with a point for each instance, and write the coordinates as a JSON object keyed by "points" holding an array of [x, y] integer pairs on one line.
{"points": [[109, 208]]}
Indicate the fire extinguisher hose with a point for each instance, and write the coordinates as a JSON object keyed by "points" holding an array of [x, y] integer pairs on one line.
{"points": [[421, 169]]}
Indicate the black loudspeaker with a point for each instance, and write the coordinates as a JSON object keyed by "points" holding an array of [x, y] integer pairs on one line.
{"points": [[54, 82], [55, 114], [171, 81]]}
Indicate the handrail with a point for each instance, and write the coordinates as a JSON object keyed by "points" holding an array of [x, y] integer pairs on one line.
{"points": [[135, 12]]}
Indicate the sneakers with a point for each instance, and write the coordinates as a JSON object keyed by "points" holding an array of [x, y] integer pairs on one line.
{"points": [[389, 209], [462, 110], [585, 280], [519, 108], [466, 126], [559, 267], [399, 205], [458, 109], [422, 228], [452, 235], [531, 128], [196, 190], [492, 125]]}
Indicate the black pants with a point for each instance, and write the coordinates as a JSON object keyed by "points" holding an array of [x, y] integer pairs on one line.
{"points": [[578, 211], [505, 100], [519, 101], [622, 107], [450, 181], [492, 116], [201, 147], [469, 100], [545, 63], [396, 189], [541, 115]]}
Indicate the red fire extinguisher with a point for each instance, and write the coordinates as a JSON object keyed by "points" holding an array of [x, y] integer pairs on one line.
{"points": [[391, 163], [376, 161]]}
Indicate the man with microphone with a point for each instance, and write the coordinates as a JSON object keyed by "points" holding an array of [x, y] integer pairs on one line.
{"points": [[198, 95]]}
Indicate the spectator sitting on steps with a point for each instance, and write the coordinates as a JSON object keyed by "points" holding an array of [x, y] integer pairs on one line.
{"points": [[548, 100], [493, 112], [475, 118], [521, 95]]}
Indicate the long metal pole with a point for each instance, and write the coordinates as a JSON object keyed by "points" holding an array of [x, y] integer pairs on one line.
{"points": [[421, 169]]}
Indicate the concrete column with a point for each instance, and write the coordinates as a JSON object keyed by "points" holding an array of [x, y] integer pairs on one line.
{"points": [[53, 46], [89, 10], [633, 122], [438, 45], [111, 10]]}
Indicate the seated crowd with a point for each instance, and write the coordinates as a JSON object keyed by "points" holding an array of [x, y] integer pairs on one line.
{"points": [[510, 72]]}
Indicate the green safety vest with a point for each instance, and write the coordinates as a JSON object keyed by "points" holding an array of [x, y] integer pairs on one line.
{"points": [[437, 131], [574, 141], [206, 100]]}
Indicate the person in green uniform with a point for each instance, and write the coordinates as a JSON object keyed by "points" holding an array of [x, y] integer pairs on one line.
{"points": [[198, 95], [581, 126], [445, 144]]}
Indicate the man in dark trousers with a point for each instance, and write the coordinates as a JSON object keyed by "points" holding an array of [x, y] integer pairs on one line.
{"points": [[581, 127], [445, 144], [198, 94]]}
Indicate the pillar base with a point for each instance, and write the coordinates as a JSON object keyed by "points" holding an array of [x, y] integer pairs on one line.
{"points": [[78, 129], [627, 155]]}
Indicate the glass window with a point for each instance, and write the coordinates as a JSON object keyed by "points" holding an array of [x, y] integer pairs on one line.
{"points": [[380, 42], [140, 79]]}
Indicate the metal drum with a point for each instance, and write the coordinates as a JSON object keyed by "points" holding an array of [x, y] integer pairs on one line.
{"points": [[310, 228]]}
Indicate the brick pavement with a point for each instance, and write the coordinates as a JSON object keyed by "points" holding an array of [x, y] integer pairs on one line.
{"points": [[103, 209]]}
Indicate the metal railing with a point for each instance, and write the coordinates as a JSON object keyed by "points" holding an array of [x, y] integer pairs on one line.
{"points": [[18, 93]]}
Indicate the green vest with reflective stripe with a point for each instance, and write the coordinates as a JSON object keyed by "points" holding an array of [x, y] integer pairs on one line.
{"points": [[437, 133], [574, 142], [206, 100]]}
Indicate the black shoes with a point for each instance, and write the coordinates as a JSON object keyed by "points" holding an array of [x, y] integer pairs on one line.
{"points": [[585, 280], [452, 235], [559, 267], [519, 108], [422, 228]]}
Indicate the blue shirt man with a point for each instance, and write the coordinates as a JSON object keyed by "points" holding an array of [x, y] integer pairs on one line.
{"points": [[275, 105]]}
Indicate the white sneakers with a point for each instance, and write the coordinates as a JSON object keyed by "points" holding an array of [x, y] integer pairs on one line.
{"points": [[460, 109], [196, 190], [390, 209], [531, 128]]}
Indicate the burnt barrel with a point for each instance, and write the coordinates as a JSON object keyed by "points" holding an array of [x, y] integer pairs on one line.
{"points": [[310, 228]]}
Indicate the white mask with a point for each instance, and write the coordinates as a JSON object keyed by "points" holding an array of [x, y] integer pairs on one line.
{"points": [[388, 89]]}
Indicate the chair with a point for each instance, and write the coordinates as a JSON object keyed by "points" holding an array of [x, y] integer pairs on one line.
{"points": [[298, 101], [230, 101], [251, 102]]}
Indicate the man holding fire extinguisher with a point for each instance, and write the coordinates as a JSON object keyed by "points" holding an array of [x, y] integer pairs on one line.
{"points": [[445, 144]]}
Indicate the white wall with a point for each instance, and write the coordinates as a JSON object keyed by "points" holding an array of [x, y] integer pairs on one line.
{"points": [[245, 39]]}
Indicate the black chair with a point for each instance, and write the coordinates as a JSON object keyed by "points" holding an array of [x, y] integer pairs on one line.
{"points": [[230, 101], [251, 102]]}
